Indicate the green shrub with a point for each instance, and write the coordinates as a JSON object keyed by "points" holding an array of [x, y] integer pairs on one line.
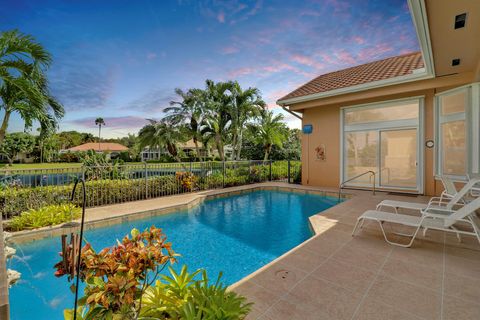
{"points": [[99, 192], [45, 216], [181, 296]]}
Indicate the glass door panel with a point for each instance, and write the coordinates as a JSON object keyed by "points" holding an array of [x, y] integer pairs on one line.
{"points": [[361, 152], [398, 158]]}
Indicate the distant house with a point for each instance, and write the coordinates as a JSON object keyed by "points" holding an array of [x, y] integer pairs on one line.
{"points": [[109, 147], [187, 148]]}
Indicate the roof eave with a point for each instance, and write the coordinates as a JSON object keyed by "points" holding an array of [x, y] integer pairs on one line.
{"points": [[357, 88]]}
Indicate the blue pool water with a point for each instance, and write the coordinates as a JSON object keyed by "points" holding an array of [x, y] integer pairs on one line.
{"points": [[236, 235]]}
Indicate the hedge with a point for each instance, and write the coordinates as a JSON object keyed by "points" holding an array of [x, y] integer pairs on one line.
{"points": [[104, 192]]}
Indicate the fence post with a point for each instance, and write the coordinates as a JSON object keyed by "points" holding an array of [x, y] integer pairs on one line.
{"points": [[84, 179], [223, 184], [270, 176], [288, 170], [146, 180]]}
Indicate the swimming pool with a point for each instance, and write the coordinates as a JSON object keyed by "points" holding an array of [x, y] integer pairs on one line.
{"points": [[235, 234]]}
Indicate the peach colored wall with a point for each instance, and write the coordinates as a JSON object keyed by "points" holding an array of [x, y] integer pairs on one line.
{"points": [[326, 130]]}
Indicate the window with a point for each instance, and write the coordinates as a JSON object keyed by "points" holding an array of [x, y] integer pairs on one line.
{"points": [[457, 131], [383, 138]]}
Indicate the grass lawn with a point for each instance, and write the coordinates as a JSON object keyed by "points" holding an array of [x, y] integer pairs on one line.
{"points": [[53, 165]]}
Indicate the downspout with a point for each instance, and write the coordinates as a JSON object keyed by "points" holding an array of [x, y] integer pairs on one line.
{"points": [[308, 140], [291, 112]]}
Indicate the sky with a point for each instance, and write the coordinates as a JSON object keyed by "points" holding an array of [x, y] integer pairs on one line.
{"points": [[121, 60]]}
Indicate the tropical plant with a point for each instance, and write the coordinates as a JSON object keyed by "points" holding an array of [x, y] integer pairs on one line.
{"points": [[16, 143], [189, 113], [214, 302], [116, 278], [45, 216], [181, 296], [99, 122], [98, 166], [169, 294], [245, 105], [217, 120], [23, 85], [270, 131], [162, 135]]}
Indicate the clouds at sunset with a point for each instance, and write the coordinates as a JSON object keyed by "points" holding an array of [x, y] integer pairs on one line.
{"points": [[124, 61]]}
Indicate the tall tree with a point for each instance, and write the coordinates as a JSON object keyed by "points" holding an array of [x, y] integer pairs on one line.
{"points": [[99, 122], [189, 113], [23, 85], [244, 105], [162, 135], [270, 130], [217, 120]]}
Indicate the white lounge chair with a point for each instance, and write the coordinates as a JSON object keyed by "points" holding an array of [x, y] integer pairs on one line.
{"points": [[435, 203], [449, 189], [429, 220]]}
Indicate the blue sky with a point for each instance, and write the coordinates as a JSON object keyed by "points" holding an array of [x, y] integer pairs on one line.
{"points": [[121, 60]]}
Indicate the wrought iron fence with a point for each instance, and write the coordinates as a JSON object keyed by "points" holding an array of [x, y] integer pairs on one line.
{"points": [[25, 189]]}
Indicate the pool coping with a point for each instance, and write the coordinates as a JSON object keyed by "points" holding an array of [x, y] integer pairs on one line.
{"points": [[173, 203]]}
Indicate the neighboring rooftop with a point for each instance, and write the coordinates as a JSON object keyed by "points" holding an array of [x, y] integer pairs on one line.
{"points": [[365, 73], [99, 147]]}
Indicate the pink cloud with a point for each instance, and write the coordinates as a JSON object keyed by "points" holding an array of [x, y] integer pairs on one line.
{"points": [[344, 57], [151, 55], [371, 53], [229, 50], [266, 70], [308, 61], [241, 72], [125, 122], [359, 40], [221, 17], [311, 13], [328, 58]]}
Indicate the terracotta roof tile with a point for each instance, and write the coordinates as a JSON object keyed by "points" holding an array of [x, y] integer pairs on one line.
{"points": [[104, 146], [369, 72]]}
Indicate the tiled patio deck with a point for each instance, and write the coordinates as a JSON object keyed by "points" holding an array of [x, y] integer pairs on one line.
{"points": [[337, 276]]}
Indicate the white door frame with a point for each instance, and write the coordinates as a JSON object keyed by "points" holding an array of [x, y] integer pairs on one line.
{"points": [[383, 126]]}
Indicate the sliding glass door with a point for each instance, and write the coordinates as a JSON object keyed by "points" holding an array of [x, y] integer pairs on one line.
{"points": [[384, 138], [398, 158]]}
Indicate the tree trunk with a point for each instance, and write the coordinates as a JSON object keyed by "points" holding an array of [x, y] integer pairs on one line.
{"points": [[3, 128], [218, 142], [234, 145], [99, 132], [195, 140], [173, 152], [239, 147], [268, 148]]}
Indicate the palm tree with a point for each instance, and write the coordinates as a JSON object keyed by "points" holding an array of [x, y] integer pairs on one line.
{"points": [[162, 134], [217, 120], [270, 131], [189, 113], [23, 85], [99, 122], [244, 105]]}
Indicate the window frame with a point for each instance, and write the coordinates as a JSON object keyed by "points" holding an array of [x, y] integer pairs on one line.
{"points": [[471, 116]]}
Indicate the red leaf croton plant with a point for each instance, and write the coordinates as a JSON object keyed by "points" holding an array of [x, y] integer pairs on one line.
{"points": [[117, 277]]}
